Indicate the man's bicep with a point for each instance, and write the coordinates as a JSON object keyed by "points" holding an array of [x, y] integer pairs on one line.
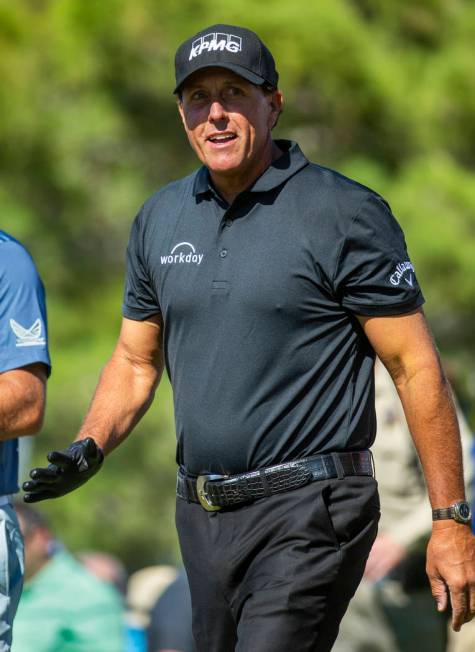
{"points": [[402, 342], [141, 342], [30, 379], [23, 323], [22, 400]]}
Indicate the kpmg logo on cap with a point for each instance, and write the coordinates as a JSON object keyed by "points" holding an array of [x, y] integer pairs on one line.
{"points": [[214, 42]]}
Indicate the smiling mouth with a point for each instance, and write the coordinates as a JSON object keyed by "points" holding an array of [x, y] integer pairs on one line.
{"points": [[219, 139]]}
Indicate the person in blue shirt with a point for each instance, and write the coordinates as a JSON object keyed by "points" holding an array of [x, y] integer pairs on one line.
{"points": [[24, 368]]}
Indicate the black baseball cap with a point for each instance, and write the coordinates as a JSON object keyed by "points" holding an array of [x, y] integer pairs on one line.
{"points": [[226, 46]]}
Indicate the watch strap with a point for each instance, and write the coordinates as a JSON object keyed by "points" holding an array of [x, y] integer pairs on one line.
{"points": [[459, 512], [443, 513]]}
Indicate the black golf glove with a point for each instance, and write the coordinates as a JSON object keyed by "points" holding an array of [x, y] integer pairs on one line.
{"points": [[67, 471]]}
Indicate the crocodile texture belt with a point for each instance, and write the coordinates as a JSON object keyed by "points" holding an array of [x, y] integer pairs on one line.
{"points": [[214, 492]]}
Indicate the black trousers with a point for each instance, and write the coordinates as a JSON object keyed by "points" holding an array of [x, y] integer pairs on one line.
{"points": [[277, 575]]}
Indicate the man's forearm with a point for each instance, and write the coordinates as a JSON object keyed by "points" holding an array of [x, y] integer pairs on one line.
{"points": [[123, 395], [405, 346], [430, 412]]}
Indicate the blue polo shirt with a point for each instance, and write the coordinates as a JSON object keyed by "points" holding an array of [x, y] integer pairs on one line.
{"points": [[259, 300], [23, 332]]}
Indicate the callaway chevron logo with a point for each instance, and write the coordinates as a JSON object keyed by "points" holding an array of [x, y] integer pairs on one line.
{"points": [[404, 271], [28, 336]]}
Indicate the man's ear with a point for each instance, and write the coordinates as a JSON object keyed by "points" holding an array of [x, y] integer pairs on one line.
{"points": [[179, 105], [276, 102]]}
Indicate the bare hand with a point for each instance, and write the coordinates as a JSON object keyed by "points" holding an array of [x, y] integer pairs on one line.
{"points": [[385, 554], [451, 570]]}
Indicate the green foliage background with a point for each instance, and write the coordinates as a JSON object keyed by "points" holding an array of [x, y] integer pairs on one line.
{"points": [[383, 91]]}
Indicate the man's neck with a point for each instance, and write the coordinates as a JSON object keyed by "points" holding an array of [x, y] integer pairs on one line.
{"points": [[230, 187]]}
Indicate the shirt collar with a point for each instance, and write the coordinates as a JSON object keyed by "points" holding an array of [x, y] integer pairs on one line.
{"points": [[279, 171], [202, 183]]}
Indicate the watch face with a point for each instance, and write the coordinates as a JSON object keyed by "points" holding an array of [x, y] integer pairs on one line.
{"points": [[462, 512]]}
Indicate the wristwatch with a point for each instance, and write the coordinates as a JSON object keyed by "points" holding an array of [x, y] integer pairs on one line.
{"points": [[460, 512]]}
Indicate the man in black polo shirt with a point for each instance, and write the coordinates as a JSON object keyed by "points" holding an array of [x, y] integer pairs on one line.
{"points": [[265, 284]]}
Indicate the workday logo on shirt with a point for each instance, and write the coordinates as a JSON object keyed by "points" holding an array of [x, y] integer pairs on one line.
{"points": [[28, 336], [182, 253]]}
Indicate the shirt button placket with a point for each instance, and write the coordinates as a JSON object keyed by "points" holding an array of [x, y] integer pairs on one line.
{"points": [[223, 251]]}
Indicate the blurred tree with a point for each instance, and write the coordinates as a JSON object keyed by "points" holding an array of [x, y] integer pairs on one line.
{"points": [[383, 91]]}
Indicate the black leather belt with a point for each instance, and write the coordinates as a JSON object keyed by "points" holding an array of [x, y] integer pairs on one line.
{"points": [[217, 491]]}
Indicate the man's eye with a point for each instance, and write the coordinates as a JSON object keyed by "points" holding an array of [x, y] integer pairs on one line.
{"points": [[197, 96], [234, 91]]}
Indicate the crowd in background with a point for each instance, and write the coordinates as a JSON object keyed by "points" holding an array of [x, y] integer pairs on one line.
{"points": [[87, 603]]}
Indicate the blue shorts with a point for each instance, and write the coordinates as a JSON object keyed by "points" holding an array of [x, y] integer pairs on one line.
{"points": [[11, 572]]}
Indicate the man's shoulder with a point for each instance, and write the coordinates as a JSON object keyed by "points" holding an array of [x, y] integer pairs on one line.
{"points": [[171, 196], [334, 184], [9, 243], [15, 259], [339, 201]]}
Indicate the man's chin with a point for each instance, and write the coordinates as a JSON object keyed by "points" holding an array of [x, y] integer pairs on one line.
{"points": [[224, 169]]}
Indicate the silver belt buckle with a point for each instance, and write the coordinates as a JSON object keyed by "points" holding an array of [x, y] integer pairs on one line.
{"points": [[203, 497]]}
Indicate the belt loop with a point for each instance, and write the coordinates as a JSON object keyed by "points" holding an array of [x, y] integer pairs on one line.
{"points": [[373, 466], [338, 465], [265, 483]]}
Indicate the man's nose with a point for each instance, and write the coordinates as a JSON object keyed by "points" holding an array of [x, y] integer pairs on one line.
{"points": [[217, 111]]}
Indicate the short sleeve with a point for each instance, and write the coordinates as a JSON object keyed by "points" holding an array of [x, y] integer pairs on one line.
{"points": [[140, 301], [23, 321], [374, 274]]}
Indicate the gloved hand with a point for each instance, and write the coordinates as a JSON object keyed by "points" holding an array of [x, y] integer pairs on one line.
{"points": [[67, 471]]}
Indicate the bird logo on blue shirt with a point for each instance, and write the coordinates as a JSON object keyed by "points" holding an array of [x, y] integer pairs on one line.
{"points": [[28, 336]]}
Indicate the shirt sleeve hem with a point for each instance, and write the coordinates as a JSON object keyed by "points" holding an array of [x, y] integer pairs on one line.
{"points": [[385, 310], [20, 362], [136, 314]]}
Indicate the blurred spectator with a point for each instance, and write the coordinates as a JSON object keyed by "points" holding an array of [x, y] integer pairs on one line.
{"points": [[110, 569], [393, 609], [106, 567], [64, 608], [170, 623], [463, 641], [144, 587]]}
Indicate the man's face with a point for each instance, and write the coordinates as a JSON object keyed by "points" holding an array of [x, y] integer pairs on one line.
{"points": [[228, 121]]}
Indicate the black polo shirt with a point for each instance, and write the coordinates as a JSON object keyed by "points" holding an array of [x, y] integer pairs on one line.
{"points": [[267, 360]]}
